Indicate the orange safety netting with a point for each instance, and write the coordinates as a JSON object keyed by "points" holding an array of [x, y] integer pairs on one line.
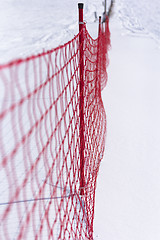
{"points": [[40, 143]]}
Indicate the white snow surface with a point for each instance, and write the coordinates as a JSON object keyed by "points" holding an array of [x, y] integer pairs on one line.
{"points": [[128, 188], [32, 26]]}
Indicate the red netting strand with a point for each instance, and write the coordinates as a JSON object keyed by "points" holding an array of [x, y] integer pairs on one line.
{"points": [[40, 160]]}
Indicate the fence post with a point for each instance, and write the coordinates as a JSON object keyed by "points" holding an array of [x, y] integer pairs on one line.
{"points": [[81, 103], [99, 27], [99, 56], [105, 7]]}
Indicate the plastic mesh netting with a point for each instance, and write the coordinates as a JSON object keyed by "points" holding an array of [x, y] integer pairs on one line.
{"points": [[40, 143]]}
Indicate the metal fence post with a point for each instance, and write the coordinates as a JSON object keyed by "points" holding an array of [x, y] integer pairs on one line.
{"points": [[105, 7]]}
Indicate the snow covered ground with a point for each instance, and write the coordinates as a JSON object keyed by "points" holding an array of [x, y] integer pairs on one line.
{"points": [[128, 189], [29, 27]]}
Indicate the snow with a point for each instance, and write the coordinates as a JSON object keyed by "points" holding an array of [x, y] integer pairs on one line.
{"points": [[29, 27], [140, 17], [128, 189]]}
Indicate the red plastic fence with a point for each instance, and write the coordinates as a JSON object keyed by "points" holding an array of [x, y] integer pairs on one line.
{"points": [[40, 140]]}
